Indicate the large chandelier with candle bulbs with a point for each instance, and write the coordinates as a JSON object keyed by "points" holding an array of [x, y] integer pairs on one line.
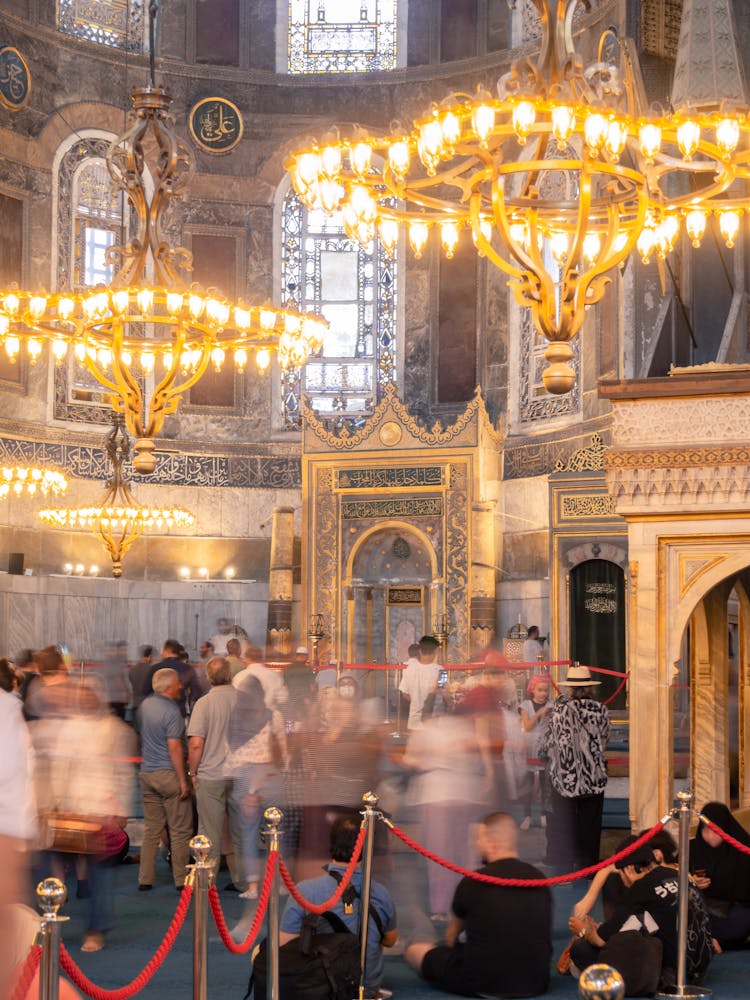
{"points": [[556, 178], [149, 335], [117, 520]]}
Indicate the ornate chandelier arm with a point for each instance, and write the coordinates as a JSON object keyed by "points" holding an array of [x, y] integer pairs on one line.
{"points": [[167, 394]]}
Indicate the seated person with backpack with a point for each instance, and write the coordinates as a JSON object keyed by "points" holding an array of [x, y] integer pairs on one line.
{"points": [[381, 931], [639, 939]]}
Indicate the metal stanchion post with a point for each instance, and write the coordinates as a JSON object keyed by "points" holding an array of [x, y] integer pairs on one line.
{"points": [[50, 894], [200, 877], [387, 718], [272, 833], [369, 801], [397, 685], [601, 982], [682, 989]]}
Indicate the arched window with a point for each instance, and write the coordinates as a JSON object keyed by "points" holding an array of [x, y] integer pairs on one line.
{"points": [[117, 23], [342, 36], [89, 219], [355, 289]]}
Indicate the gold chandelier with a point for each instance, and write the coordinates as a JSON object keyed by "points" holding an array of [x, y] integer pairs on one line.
{"points": [[556, 179], [149, 328], [119, 519], [22, 479]]}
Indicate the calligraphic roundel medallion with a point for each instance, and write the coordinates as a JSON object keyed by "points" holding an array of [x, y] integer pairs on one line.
{"points": [[15, 79], [390, 433], [215, 124]]}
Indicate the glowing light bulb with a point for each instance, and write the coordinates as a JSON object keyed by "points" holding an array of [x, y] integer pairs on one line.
{"points": [[558, 243], [217, 357], [727, 135], [59, 349], [65, 308], [399, 157], [450, 126], [388, 229], [240, 358], [37, 306], [360, 157], [120, 301], [649, 139], [595, 130], [449, 238], [33, 349], [418, 232], [688, 137], [145, 299], [695, 225], [174, 303], [523, 116], [592, 245], [616, 138], [563, 122], [147, 361], [262, 358], [729, 226], [330, 161]]}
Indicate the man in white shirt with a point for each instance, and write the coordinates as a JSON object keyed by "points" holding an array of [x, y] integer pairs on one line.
{"points": [[420, 679], [532, 647], [275, 692]]}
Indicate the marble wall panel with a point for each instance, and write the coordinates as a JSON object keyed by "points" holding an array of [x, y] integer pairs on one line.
{"points": [[85, 614], [525, 505]]}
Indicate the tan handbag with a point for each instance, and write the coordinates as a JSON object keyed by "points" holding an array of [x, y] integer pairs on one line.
{"points": [[72, 833]]}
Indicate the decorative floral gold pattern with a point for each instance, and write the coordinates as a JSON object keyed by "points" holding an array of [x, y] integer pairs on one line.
{"points": [[391, 404]]}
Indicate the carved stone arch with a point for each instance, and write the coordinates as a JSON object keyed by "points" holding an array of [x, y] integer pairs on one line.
{"points": [[591, 550], [402, 526]]}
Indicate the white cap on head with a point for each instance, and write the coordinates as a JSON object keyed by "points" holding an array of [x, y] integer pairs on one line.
{"points": [[302, 649]]}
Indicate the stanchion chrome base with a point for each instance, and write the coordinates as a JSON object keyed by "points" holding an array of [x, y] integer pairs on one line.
{"points": [[694, 992]]}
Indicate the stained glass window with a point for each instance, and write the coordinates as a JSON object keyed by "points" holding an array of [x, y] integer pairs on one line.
{"points": [[354, 288], [117, 23], [89, 215], [342, 36]]}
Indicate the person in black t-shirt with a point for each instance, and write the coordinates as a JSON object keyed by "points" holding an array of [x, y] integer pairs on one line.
{"points": [[499, 940], [649, 906]]}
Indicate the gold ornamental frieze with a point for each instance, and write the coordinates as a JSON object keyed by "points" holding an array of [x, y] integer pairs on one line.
{"points": [[580, 507], [404, 596], [389, 477], [390, 415], [355, 510], [673, 458]]}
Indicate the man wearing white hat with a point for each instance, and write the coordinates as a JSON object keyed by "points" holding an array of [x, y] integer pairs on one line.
{"points": [[574, 745]]}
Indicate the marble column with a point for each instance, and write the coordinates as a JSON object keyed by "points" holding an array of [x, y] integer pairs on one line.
{"points": [[650, 686], [280, 581], [482, 586], [710, 704]]}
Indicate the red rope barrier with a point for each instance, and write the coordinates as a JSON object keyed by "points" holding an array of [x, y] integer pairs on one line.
{"points": [[265, 894], [25, 975], [726, 836], [617, 690], [525, 883], [137, 984], [320, 908]]}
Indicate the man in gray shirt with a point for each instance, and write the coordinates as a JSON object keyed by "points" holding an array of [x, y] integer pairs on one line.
{"points": [[164, 785], [208, 750]]}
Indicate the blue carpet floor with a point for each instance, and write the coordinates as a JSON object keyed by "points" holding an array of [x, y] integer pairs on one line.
{"points": [[142, 918]]}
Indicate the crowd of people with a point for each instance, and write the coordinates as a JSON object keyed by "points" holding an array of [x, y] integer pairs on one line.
{"points": [[209, 745]]}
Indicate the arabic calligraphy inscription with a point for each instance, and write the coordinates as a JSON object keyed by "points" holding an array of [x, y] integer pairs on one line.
{"points": [[15, 79], [215, 124]]}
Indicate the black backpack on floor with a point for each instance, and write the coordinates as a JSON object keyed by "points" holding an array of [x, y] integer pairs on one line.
{"points": [[316, 966], [313, 966]]}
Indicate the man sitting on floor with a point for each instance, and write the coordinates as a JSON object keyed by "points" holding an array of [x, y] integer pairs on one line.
{"points": [[380, 933], [499, 940]]}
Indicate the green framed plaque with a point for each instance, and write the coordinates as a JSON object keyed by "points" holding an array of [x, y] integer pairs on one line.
{"points": [[215, 124]]}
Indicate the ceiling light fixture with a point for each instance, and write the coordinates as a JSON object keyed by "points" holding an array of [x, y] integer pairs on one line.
{"points": [[149, 336], [557, 178], [119, 519]]}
